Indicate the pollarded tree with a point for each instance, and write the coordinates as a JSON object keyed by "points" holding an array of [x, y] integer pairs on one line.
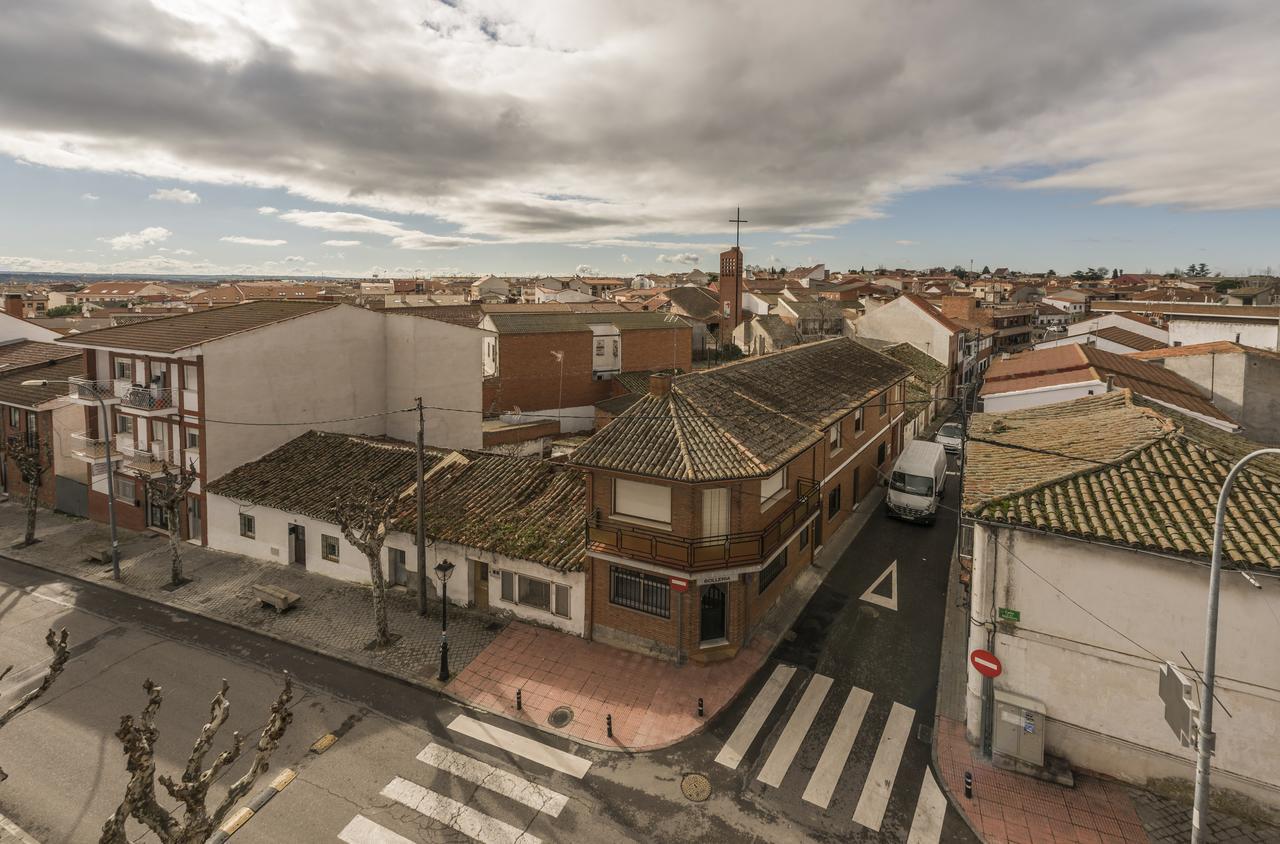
{"points": [[33, 457], [61, 653], [198, 822], [363, 515], [168, 491]]}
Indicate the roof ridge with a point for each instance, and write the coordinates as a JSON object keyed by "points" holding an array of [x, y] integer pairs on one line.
{"points": [[682, 443]]}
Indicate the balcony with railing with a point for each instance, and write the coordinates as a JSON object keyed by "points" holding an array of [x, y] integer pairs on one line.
{"points": [[88, 391], [149, 401], [91, 449], [708, 552], [142, 460]]}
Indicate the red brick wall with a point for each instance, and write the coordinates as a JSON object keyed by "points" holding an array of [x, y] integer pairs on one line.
{"points": [[14, 485], [659, 348]]}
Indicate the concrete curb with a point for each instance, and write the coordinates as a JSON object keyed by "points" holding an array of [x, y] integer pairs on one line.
{"points": [[953, 579]]}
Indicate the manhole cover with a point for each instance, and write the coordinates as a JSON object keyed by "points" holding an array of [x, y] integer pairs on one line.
{"points": [[560, 717], [696, 787]]}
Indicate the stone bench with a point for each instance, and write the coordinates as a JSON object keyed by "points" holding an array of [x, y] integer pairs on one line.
{"points": [[275, 596]]}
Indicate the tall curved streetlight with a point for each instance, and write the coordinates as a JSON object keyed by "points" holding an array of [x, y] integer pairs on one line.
{"points": [[1205, 737], [111, 483]]}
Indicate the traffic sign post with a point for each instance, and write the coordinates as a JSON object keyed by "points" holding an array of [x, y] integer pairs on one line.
{"points": [[986, 663]]}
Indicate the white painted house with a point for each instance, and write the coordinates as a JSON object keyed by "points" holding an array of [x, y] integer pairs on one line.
{"points": [[1092, 523], [511, 526]]}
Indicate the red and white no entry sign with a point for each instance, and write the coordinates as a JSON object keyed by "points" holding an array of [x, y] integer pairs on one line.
{"points": [[986, 663]]}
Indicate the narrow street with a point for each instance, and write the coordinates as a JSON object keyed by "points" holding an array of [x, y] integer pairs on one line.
{"points": [[829, 742]]}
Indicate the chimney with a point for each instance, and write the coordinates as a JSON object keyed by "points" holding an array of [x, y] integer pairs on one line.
{"points": [[1111, 382], [660, 384]]}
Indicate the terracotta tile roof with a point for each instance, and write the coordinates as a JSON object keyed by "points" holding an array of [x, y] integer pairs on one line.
{"points": [[1118, 469], [638, 382], [464, 315], [943, 320], [1131, 339], [524, 508], [12, 392], [696, 302], [1259, 312], [744, 419], [22, 353], [1076, 363], [923, 367], [175, 333], [1213, 347]]}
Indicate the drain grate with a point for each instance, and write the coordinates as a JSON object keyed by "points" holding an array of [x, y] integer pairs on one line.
{"points": [[696, 787], [560, 717]]}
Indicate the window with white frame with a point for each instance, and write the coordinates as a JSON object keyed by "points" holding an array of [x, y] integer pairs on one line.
{"points": [[636, 500], [329, 547], [124, 369], [126, 488], [192, 438], [835, 436], [534, 592], [124, 423], [248, 526], [774, 486], [857, 421]]}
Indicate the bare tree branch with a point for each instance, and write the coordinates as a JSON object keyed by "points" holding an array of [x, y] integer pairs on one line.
{"points": [[33, 456], [198, 823], [363, 515], [61, 653]]}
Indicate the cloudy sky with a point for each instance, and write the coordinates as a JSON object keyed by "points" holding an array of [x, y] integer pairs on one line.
{"points": [[612, 136]]}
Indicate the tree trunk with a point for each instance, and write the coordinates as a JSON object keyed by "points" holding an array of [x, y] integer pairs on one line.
{"points": [[32, 506], [379, 588], [175, 547]]}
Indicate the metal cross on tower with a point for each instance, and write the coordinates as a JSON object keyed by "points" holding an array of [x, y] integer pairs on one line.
{"points": [[737, 233]]}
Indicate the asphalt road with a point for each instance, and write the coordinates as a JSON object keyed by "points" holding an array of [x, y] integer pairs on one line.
{"points": [[67, 771]]}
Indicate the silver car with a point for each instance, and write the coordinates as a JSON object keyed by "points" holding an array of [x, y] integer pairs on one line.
{"points": [[950, 436]]}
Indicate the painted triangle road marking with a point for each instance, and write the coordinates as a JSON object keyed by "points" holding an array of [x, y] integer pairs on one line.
{"points": [[875, 594]]}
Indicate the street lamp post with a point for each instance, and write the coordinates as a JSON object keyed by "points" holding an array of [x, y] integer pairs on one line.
{"points": [[111, 483], [1205, 737], [443, 570]]}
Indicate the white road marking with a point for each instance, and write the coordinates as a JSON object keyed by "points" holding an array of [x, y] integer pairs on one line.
{"points": [[822, 785], [931, 808], [535, 751], [884, 768], [475, 825], [494, 779], [740, 741], [891, 602], [361, 830], [784, 751]]}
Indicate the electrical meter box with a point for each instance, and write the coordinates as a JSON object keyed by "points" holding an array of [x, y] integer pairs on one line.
{"points": [[1019, 728]]}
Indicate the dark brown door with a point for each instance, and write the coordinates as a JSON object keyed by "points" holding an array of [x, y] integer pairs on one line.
{"points": [[481, 572], [298, 538]]}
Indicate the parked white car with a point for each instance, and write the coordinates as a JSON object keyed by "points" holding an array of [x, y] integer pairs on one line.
{"points": [[950, 436]]}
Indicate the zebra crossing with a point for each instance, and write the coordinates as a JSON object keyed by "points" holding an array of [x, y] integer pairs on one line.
{"points": [[837, 745], [443, 766]]}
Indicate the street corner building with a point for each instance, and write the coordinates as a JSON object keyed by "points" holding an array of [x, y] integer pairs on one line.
{"points": [[715, 489], [512, 526], [1092, 534]]}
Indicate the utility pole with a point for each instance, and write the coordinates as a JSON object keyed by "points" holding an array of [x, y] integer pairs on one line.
{"points": [[1205, 738], [422, 512]]}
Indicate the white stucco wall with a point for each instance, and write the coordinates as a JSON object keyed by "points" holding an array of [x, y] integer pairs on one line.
{"points": [[1100, 690], [903, 321], [1186, 332], [1092, 324], [314, 368], [13, 328], [1048, 395], [271, 544], [442, 363]]}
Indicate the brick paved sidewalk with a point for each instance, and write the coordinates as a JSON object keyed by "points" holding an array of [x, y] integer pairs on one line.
{"points": [[334, 617], [653, 702], [1015, 809]]}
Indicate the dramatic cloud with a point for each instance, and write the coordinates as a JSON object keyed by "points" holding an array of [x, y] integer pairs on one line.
{"points": [[137, 240], [593, 121], [681, 258], [186, 197], [252, 241], [401, 236], [342, 243]]}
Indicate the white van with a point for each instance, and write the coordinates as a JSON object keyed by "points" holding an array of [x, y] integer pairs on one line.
{"points": [[918, 481]]}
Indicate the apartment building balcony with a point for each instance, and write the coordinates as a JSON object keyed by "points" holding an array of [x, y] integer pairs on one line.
{"points": [[708, 552], [88, 391], [142, 460], [147, 401], [91, 449]]}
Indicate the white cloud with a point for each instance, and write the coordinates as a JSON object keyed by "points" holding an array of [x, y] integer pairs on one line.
{"points": [[586, 270], [252, 241], [342, 243], [625, 258], [182, 252], [137, 240], [90, 197], [268, 210], [295, 259], [907, 242], [401, 236], [681, 258], [185, 197], [1144, 113]]}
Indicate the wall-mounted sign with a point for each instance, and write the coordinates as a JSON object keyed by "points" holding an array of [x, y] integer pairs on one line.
{"points": [[1007, 614]]}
